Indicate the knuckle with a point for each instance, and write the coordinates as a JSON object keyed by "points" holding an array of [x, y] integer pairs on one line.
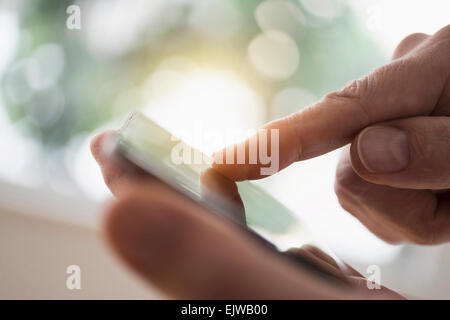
{"points": [[409, 43], [439, 45], [356, 89], [443, 33], [438, 49], [291, 122], [357, 93], [367, 92]]}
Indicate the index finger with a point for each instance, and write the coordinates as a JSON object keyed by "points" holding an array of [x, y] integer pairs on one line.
{"points": [[404, 88]]}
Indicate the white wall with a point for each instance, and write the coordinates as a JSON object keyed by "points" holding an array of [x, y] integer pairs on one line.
{"points": [[34, 255]]}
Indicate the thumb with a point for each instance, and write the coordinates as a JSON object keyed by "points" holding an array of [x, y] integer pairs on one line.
{"points": [[409, 153], [187, 252]]}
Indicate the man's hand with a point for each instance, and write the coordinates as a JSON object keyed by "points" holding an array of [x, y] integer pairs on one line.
{"points": [[187, 252], [395, 174]]}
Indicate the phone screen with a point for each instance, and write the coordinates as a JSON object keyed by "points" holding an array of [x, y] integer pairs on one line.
{"points": [[187, 170]]}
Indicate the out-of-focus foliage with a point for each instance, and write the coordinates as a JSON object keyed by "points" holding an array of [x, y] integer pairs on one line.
{"points": [[65, 82]]}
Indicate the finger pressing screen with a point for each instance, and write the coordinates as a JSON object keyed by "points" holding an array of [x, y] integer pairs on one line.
{"points": [[407, 87], [217, 189]]}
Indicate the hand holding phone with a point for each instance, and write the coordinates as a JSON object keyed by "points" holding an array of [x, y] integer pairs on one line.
{"points": [[189, 251]]}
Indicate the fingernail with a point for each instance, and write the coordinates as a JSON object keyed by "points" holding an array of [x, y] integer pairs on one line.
{"points": [[383, 149]]}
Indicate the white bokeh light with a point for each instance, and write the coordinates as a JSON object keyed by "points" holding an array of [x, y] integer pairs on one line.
{"points": [[45, 66], [177, 63], [381, 18], [279, 15], [113, 27], [216, 101], [274, 54]]}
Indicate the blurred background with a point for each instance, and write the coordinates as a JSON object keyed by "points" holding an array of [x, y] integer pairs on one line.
{"points": [[221, 64]]}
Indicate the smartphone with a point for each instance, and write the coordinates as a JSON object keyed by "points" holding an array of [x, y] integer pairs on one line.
{"points": [[147, 145]]}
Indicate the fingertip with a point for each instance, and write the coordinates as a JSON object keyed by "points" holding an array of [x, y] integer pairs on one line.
{"points": [[231, 172], [97, 144], [239, 172]]}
